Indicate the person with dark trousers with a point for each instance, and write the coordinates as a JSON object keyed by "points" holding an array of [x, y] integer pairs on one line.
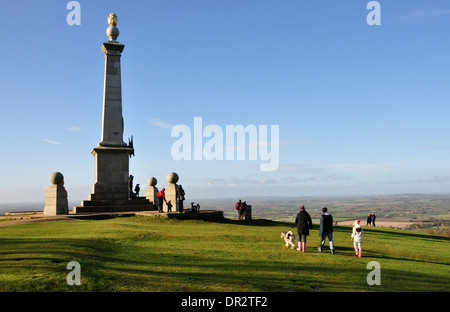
{"points": [[369, 219], [181, 198], [242, 210], [137, 190], [373, 219], [326, 230], [130, 187], [304, 224], [161, 195]]}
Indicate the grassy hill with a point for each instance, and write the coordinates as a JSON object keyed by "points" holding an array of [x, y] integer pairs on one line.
{"points": [[154, 254]]}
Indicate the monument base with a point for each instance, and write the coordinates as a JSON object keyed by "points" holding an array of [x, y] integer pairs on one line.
{"points": [[56, 201], [115, 205], [110, 190]]}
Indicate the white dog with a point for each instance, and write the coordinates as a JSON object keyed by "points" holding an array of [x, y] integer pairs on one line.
{"points": [[289, 238]]}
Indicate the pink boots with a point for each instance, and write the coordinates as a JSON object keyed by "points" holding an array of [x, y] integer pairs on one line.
{"points": [[358, 252], [301, 246]]}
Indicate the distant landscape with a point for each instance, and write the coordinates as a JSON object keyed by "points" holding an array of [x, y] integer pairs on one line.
{"points": [[430, 213], [426, 212]]}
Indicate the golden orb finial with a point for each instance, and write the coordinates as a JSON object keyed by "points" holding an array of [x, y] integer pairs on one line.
{"points": [[112, 19]]}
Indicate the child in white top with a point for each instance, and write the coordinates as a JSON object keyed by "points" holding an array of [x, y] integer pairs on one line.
{"points": [[357, 237]]}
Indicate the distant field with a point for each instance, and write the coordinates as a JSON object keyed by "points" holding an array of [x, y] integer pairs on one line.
{"points": [[429, 211], [152, 254]]}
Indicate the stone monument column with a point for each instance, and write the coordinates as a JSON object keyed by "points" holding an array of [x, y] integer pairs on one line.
{"points": [[110, 190], [112, 153]]}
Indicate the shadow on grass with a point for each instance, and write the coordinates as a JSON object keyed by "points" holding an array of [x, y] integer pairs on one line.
{"points": [[254, 222], [111, 265]]}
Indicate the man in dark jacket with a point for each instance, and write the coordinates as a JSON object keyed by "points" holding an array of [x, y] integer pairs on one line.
{"points": [[326, 229], [303, 223], [130, 186]]}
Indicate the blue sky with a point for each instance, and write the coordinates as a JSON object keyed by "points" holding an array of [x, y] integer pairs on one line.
{"points": [[362, 110]]}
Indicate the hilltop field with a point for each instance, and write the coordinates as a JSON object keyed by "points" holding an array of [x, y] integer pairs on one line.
{"points": [[154, 254]]}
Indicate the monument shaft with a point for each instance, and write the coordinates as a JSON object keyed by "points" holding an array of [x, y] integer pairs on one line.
{"points": [[112, 124]]}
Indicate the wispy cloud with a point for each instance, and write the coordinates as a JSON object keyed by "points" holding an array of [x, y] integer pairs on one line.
{"points": [[432, 179], [50, 141], [424, 14], [365, 168], [73, 129], [248, 181], [160, 123], [283, 143], [434, 147]]}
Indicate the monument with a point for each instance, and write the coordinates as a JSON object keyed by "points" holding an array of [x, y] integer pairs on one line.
{"points": [[110, 190], [56, 197]]}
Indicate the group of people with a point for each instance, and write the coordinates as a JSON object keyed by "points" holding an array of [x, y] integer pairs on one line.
{"points": [[161, 196], [303, 223], [241, 207], [371, 219], [137, 188]]}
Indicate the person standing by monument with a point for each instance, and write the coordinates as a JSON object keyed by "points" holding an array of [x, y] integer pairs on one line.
{"points": [[238, 205], [161, 199], [130, 186], [181, 198], [326, 230], [242, 210], [304, 224], [137, 189]]}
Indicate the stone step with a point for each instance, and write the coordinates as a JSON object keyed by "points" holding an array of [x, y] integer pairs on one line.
{"points": [[116, 202], [83, 209]]}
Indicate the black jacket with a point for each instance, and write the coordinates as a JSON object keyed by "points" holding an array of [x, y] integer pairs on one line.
{"points": [[326, 224], [303, 223]]}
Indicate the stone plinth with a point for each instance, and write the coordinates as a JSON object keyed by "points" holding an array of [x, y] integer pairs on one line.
{"points": [[56, 202], [111, 173], [171, 195], [151, 191], [171, 192], [248, 213]]}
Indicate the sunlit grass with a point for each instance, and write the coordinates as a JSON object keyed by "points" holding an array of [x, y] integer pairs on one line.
{"points": [[151, 254]]}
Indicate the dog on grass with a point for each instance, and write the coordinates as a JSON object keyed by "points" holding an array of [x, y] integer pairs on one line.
{"points": [[289, 238]]}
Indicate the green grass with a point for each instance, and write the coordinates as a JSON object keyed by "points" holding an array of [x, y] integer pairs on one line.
{"points": [[153, 254]]}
